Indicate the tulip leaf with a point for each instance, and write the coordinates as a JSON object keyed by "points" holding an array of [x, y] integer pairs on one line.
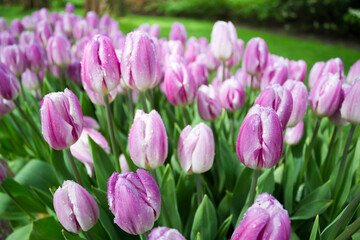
{"points": [[266, 182], [223, 210], [87, 107], [224, 228], [46, 228], [315, 232], [70, 236], [310, 210], [102, 163], [58, 163], [289, 181], [21, 233], [205, 220]]}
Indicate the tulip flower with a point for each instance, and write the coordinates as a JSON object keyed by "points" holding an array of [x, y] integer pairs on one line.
{"points": [[6, 106], [196, 149], [59, 51], [139, 61], [325, 95], [199, 72], [3, 24], [80, 29], [154, 31], [315, 73], [75, 208], [43, 32], [260, 140], [208, 59], [148, 144], [208, 103], [9, 84], [299, 95], [354, 73], [7, 38], [180, 86], [92, 19], [35, 57], [350, 106], [30, 80], [244, 78], [278, 98], [235, 59], [69, 7], [255, 56], [105, 21], [61, 119], [232, 95], [277, 73], [100, 68], [29, 23], [16, 27], [3, 173], [26, 38], [298, 70], [14, 58], [135, 200], [192, 49], [90, 122], [223, 40], [336, 118], [293, 135], [164, 233], [74, 71], [123, 164], [265, 219], [178, 32], [335, 66]]}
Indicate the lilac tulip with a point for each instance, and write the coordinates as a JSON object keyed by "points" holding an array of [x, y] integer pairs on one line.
{"points": [[59, 51], [299, 95], [123, 164], [208, 103], [178, 32], [100, 68], [148, 144], [98, 98], [26, 38], [293, 135], [315, 73], [277, 73], [29, 23], [92, 19], [154, 31], [324, 98], [350, 106], [196, 149], [354, 73], [69, 7], [192, 49], [74, 71], [180, 86], [208, 59], [43, 32], [105, 21], [80, 29], [223, 40], [35, 57], [336, 118], [3, 173], [14, 58], [7, 38], [265, 219], [16, 27], [298, 70], [164, 233], [30, 80], [90, 122], [235, 59], [6, 106], [78, 48], [75, 208], [139, 61], [255, 56], [260, 141], [3, 24], [335, 66], [9, 84], [245, 79], [232, 95], [61, 119], [135, 200], [199, 72], [203, 44]]}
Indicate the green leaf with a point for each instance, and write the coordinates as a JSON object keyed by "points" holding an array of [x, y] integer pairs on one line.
{"points": [[224, 228], [205, 221], [21, 233], [266, 182], [46, 228], [315, 232], [223, 209], [58, 163], [71, 236], [288, 182]]}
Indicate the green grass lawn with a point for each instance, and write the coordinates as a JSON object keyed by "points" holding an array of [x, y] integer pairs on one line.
{"points": [[287, 46]]}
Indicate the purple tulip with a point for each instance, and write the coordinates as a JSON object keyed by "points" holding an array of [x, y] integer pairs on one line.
{"points": [[192, 49], [180, 86], [300, 98], [29, 23], [336, 118], [293, 135], [203, 44], [232, 95], [148, 144], [244, 78], [315, 73], [3, 24], [145, 27], [90, 122], [135, 200], [80, 29], [350, 106], [30, 80], [208, 59], [59, 51], [208, 103], [100, 68], [279, 99], [61, 119], [69, 7], [298, 70], [277, 73], [75, 208], [35, 57], [354, 73], [98, 98], [335, 66], [139, 61], [104, 22], [6, 106], [265, 219], [178, 32], [7, 38], [68, 22], [78, 48], [235, 59], [74, 71], [92, 19], [164, 233], [14, 58], [196, 149], [26, 38], [223, 40], [3, 173], [260, 141], [199, 72], [9, 84], [123, 164], [255, 56], [324, 98], [16, 27], [154, 31], [43, 32]]}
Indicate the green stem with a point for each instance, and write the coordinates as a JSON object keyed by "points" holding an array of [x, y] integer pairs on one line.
{"points": [[232, 130], [111, 129], [252, 191], [40, 83], [251, 88], [23, 93], [143, 101], [10, 135], [17, 203], [350, 230], [62, 79], [143, 236], [223, 71], [73, 166], [130, 103], [21, 131], [89, 235], [199, 188], [32, 125], [326, 163]]}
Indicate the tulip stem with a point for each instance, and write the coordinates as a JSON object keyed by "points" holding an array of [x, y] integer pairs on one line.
{"points": [[143, 101], [143, 236], [21, 130], [130, 103], [22, 92], [350, 230], [17, 203], [89, 235], [199, 188], [111, 129], [326, 163], [32, 125], [40, 83], [223, 71], [251, 88], [232, 130], [73, 166], [252, 192]]}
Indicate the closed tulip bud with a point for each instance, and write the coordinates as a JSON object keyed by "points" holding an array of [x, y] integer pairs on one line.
{"points": [[30, 80], [180, 86], [14, 58], [178, 32], [43, 32], [298, 70], [265, 219], [154, 31], [299, 95], [235, 59], [29, 22], [223, 40], [80, 29], [208, 103], [7, 38], [69, 7], [26, 38], [164, 233], [293, 135], [260, 141], [325, 95], [9, 84], [3, 24], [278, 98], [6, 106], [123, 164], [100, 68], [315, 73], [203, 44], [98, 98], [354, 73], [75, 208], [335, 66], [92, 19], [61, 119], [148, 144], [276, 74], [35, 57], [199, 72], [196, 149], [135, 200], [104, 22], [350, 106], [232, 95], [90, 122], [255, 56], [244, 78], [3, 173], [78, 48], [139, 61], [74, 71], [336, 118], [59, 51], [192, 49], [16, 27]]}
